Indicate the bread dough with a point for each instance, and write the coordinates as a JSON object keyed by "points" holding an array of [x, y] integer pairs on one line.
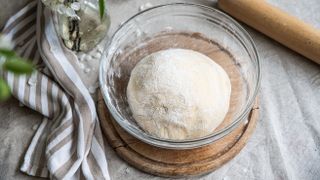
{"points": [[178, 94]]}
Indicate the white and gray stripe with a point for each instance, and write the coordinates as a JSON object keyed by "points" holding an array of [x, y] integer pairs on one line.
{"points": [[68, 144]]}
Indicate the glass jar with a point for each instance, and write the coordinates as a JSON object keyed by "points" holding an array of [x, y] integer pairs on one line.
{"points": [[85, 33]]}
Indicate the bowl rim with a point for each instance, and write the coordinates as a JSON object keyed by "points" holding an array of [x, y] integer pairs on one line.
{"points": [[189, 143]]}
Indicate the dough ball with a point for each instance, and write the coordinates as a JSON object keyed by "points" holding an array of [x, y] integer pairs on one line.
{"points": [[178, 94]]}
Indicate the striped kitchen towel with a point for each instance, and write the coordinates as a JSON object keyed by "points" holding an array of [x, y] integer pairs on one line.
{"points": [[68, 144]]}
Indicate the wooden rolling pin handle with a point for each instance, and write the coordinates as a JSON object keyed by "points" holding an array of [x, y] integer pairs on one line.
{"points": [[280, 26]]}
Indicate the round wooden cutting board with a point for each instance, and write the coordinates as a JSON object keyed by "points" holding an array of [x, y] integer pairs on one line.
{"points": [[175, 163]]}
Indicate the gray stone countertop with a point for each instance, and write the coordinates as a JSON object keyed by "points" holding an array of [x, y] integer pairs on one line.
{"points": [[285, 144]]}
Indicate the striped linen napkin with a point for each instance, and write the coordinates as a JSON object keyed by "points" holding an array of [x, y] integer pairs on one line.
{"points": [[68, 144]]}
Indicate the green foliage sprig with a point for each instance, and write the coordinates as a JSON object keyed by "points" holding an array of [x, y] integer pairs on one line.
{"points": [[102, 7], [10, 61]]}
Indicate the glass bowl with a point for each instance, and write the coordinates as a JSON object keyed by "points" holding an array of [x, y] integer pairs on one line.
{"points": [[188, 26]]}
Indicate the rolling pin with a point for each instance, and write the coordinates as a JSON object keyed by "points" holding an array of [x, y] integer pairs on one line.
{"points": [[280, 26]]}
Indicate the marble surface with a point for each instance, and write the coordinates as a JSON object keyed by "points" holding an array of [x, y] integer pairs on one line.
{"points": [[285, 144]]}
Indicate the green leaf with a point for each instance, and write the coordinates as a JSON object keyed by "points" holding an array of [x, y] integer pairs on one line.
{"points": [[18, 66], [101, 8], [7, 53], [4, 90]]}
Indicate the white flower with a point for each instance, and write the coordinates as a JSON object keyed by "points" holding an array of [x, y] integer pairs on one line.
{"points": [[76, 6], [61, 8], [71, 13], [6, 42]]}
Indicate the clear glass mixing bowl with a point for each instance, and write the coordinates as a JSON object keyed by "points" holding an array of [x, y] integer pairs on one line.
{"points": [[189, 26]]}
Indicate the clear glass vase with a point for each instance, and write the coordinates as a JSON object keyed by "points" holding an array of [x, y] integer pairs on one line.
{"points": [[87, 32]]}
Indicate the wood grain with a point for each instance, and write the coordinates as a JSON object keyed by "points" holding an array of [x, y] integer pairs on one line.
{"points": [[275, 23], [175, 163]]}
